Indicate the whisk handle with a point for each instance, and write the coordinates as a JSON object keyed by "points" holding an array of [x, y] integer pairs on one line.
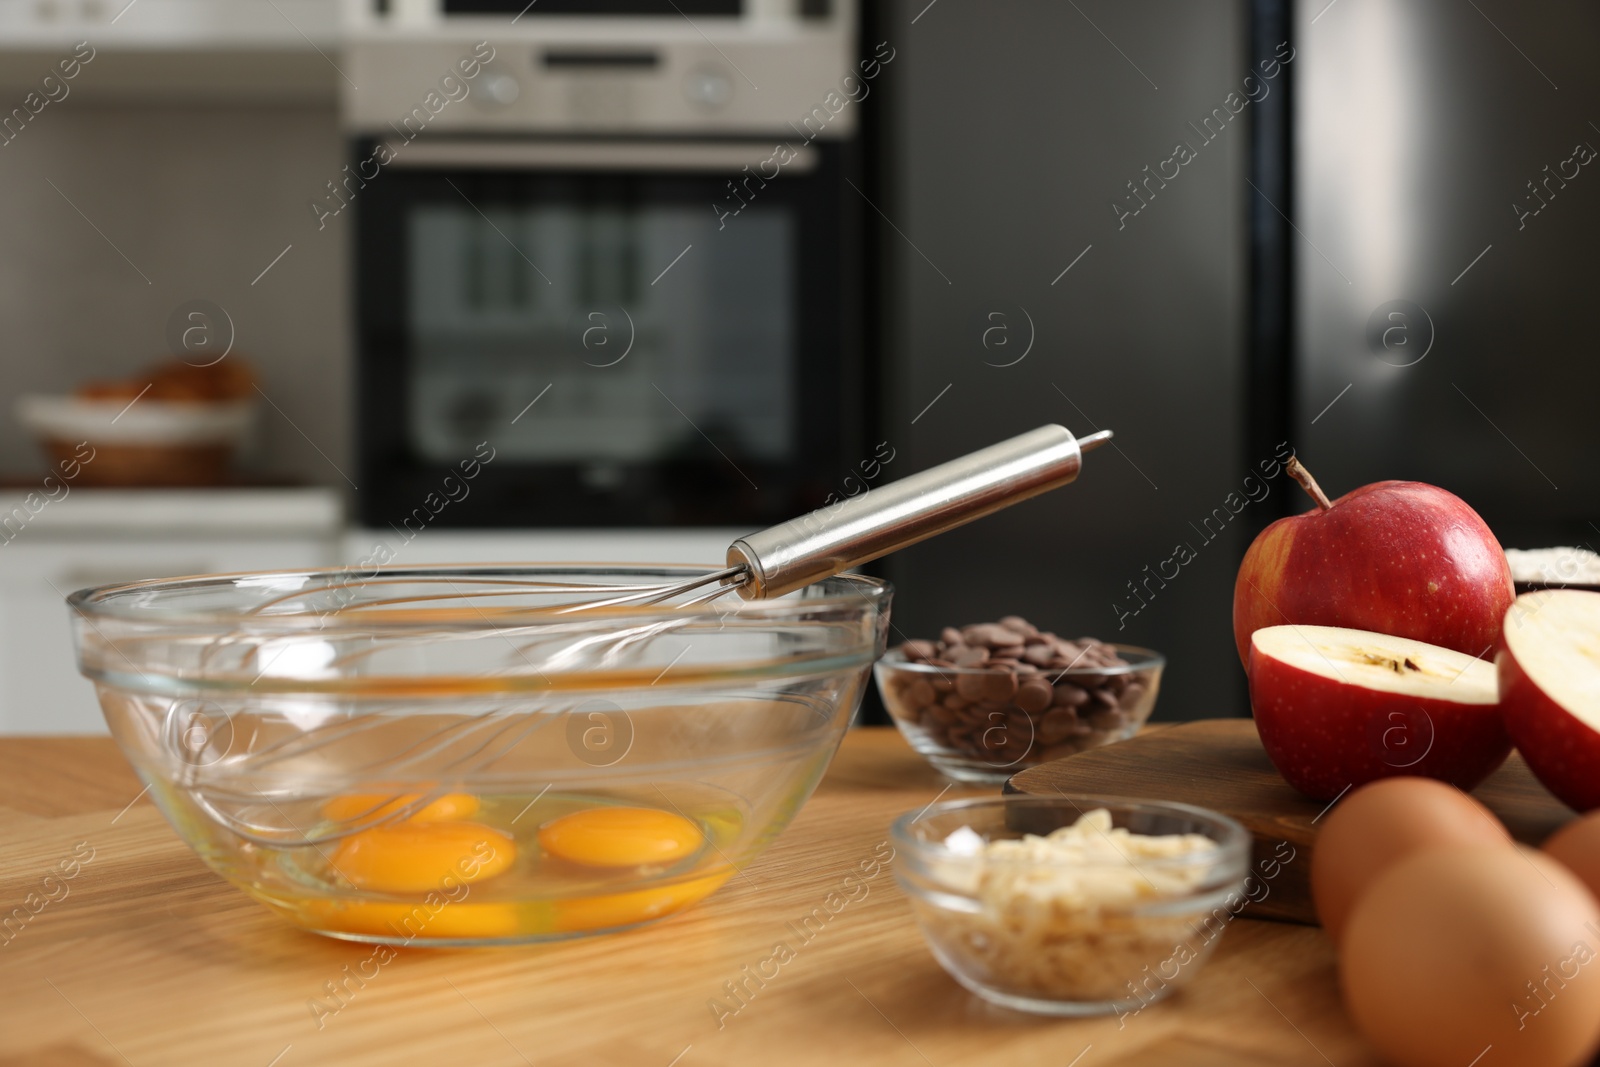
{"points": [[851, 532]]}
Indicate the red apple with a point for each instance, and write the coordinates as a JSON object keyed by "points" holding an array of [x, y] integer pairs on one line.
{"points": [[1337, 708], [1394, 557], [1549, 665]]}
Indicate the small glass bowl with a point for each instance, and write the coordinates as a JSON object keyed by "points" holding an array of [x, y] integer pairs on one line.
{"points": [[957, 719], [1095, 938]]}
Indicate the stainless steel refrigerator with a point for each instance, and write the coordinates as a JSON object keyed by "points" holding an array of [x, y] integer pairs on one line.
{"points": [[1348, 260], [1447, 199], [1027, 284]]}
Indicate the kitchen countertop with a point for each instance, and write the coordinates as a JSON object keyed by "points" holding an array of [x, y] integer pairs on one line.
{"points": [[149, 959]]}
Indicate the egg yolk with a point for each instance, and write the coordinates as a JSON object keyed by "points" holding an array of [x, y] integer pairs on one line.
{"points": [[365, 807], [620, 837], [581, 914], [415, 857], [419, 922], [466, 919]]}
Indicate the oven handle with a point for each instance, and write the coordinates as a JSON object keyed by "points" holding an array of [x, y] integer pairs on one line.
{"points": [[717, 157]]}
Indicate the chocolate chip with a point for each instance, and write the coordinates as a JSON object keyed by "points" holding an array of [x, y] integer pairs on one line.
{"points": [[1000, 686], [1034, 694], [972, 657], [1107, 720], [992, 636], [1038, 655], [1069, 695], [970, 686], [1057, 725]]}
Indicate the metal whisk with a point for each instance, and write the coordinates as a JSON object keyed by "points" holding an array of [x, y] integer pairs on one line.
{"points": [[837, 537], [761, 565]]}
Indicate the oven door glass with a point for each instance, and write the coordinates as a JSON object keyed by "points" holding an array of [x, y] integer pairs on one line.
{"points": [[631, 351], [636, 327]]}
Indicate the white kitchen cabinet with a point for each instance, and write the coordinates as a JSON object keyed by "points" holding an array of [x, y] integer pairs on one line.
{"points": [[94, 537], [171, 24], [285, 51]]}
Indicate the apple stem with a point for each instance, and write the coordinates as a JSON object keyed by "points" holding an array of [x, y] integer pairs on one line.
{"points": [[1298, 472]]}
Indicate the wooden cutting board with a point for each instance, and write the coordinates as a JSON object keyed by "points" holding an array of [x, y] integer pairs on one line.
{"points": [[1220, 764]]}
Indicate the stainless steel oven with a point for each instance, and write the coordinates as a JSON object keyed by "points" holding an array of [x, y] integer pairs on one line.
{"points": [[585, 246]]}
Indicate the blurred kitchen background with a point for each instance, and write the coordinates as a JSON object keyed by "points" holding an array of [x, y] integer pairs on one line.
{"points": [[480, 280]]}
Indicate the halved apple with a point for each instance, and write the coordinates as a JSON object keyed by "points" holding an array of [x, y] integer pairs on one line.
{"points": [[1337, 708], [1549, 664]]}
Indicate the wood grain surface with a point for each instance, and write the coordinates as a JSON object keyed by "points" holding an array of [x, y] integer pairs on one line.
{"points": [[1220, 764], [151, 960]]}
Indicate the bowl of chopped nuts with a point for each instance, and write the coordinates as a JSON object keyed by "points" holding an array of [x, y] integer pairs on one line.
{"points": [[1071, 905], [985, 701]]}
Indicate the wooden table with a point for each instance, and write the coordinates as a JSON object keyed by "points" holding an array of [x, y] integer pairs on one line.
{"points": [[149, 959]]}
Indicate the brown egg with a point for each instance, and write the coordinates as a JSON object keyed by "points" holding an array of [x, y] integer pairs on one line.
{"points": [[1454, 951], [1576, 846], [1385, 821]]}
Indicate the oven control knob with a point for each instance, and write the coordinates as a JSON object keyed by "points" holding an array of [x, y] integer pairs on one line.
{"points": [[708, 87], [499, 89]]}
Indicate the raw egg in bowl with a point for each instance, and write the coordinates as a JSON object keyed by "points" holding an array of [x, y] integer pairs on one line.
{"points": [[445, 756]]}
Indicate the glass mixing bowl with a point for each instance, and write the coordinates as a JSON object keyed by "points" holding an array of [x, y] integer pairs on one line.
{"points": [[442, 755]]}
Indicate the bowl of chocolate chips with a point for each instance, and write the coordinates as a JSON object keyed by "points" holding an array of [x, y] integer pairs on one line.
{"points": [[984, 701]]}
